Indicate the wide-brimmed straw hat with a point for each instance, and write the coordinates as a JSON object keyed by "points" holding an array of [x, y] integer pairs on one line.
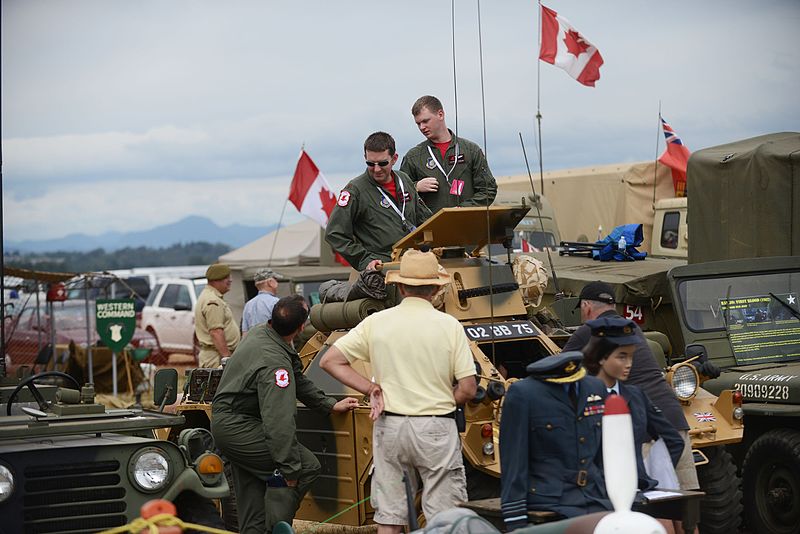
{"points": [[419, 269]]}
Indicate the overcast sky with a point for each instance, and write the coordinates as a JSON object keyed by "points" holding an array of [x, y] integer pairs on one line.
{"points": [[127, 114]]}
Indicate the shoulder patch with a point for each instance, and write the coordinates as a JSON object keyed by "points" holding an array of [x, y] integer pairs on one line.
{"points": [[344, 198], [282, 378]]}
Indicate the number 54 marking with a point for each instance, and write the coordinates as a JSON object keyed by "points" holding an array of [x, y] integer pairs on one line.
{"points": [[634, 313]]}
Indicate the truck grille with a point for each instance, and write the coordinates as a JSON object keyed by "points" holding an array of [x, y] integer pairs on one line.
{"points": [[80, 497]]}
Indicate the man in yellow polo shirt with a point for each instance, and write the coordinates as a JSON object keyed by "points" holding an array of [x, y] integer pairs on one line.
{"points": [[416, 352]]}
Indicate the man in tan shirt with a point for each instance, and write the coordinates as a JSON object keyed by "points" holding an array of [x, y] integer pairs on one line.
{"points": [[416, 353], [214, 326]]}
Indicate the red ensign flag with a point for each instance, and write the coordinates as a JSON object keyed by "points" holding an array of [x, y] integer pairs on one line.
{"points": [[564, 47], [676, 157]]}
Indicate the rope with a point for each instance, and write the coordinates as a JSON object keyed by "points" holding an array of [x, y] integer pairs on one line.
{"points": [[334, 516], [161, 520]]}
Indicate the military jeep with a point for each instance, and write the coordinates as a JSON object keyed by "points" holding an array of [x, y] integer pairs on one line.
{"points": [[72, 465], [744, 315]]}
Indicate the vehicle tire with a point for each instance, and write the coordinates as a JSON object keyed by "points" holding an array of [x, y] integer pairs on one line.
{"points": [[772, 482], [230, 515], [157, 355], [479, 484], [192, 508], [721, 508]]}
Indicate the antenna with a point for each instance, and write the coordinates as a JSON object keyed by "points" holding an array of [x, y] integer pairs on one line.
{"points": [[558, 294]]}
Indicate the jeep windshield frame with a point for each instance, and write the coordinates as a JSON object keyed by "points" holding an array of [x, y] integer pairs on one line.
{"points": [[700, 299]]}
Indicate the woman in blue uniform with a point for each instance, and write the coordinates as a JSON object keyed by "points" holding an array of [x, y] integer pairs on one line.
{"points": [[609, 355]]}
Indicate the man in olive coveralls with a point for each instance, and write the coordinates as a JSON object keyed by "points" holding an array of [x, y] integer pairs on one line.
{"points": [[253, 420], [216, 331], [550, 442], [376, 209], [448, 171]]}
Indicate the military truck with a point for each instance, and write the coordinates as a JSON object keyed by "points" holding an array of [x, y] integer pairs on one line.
{"points": [[72, 465], [742, 203]]}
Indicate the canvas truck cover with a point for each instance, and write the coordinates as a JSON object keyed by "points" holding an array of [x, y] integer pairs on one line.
{"points": [[606, 196], [744, 199]]}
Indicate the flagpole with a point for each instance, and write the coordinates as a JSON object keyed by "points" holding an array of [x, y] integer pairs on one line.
{"points": [[539, 102], [655, 166], [283, 210], [277, 231]]}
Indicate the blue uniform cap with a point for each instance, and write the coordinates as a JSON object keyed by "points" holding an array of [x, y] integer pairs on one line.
{"points": [[559, 368], [616, 330]]}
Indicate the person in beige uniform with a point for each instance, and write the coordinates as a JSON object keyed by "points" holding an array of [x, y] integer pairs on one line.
{"points": [[214, 326]]}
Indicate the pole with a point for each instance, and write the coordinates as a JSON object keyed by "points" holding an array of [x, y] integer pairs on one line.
{"points": [[539, 105], [2, 276], [89, 360], [277, 231], [39, 320], [655, 162], [52, 306], [114, 373]]}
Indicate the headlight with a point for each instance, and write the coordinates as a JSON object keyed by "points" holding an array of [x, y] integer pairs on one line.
{"points": [[6, 483], [684, 381], [738, 413], [149, 469], [488, 448]]}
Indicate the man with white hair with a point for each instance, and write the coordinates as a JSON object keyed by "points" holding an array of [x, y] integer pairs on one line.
{"points": [[258, 309], [416, 354]]}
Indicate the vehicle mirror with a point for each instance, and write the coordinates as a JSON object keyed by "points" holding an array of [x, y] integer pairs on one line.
{"points": [[165, 388], [182, 306]]}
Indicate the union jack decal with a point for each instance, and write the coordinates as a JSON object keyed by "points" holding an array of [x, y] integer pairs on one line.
{"points": [[669, 133], [704, 417]]}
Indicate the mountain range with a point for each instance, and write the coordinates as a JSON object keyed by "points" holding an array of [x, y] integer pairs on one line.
{"points": [[189, 229]]}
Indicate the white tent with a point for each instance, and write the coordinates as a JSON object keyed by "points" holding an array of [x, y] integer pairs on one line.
{"points": [[296, 244]]}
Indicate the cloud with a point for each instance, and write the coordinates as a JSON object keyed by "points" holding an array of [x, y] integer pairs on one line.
{"points": [[147, 104]]}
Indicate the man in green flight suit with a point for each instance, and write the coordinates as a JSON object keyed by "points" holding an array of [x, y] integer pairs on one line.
{"points": [[376, 209], [253, 419], [448, 171]]}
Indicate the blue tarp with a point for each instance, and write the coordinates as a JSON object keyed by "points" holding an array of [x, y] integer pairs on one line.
{"points": [[633, 238]]}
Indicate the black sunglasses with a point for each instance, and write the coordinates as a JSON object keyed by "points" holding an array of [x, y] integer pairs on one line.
{"points": [[383, 163]]}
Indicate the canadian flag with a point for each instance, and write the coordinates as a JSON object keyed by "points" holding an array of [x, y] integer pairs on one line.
{"points": [[564, 47], [310, 192]]}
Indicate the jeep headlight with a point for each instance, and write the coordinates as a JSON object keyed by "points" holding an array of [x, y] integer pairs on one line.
{"points": [[149, 469], [6, 483], [684, 381]]}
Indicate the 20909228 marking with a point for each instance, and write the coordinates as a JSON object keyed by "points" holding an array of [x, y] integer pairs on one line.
{"points": [[504, 330], [764, 391]]}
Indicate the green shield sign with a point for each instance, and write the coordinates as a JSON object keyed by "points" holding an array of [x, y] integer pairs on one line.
{"points": [[116, 322]]}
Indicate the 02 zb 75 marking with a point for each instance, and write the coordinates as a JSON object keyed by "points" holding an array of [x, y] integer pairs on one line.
{"points": [[505, 330]]}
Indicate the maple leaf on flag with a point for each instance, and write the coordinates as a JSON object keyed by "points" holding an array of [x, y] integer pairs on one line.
{"points": [[328, 201], [576, 45]]}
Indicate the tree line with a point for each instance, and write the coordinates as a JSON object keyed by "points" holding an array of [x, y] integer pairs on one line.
{"points": [[194, 253]]}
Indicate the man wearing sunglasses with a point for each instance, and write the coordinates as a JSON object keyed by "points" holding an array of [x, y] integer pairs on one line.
{"points": [[448, 171], [375, 209]]}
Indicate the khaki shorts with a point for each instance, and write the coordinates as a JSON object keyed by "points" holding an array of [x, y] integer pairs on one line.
{"points": [[687, 474], [429, 446], [208, 359]]}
